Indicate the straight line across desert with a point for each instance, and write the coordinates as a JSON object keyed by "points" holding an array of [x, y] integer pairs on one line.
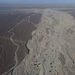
{"points": [[51, 47]]}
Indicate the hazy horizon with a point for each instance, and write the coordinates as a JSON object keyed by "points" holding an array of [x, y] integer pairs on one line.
{"points": [[37, 1]]}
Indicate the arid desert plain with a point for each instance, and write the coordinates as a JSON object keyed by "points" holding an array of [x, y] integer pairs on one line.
{"points": [[37, 42]]}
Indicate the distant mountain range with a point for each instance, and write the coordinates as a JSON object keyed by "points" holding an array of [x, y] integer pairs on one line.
{"points": [[30, 6]]}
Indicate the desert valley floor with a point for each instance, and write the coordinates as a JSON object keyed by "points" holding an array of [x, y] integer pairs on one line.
{"points": [[39, 42]]}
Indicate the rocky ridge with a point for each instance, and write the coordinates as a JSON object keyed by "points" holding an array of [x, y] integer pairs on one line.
{"points": [[52, 50]]}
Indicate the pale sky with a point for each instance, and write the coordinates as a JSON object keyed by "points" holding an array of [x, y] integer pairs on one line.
{"points": [[37, 1]]}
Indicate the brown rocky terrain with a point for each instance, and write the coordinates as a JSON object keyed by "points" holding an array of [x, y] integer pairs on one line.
{"points": [[15, 31]]}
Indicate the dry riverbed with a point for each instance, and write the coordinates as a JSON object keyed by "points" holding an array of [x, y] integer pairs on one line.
{"points": [[52, 46]]}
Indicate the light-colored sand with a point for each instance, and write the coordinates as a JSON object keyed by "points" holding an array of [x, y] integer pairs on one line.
{"points": [[52, 46]]}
